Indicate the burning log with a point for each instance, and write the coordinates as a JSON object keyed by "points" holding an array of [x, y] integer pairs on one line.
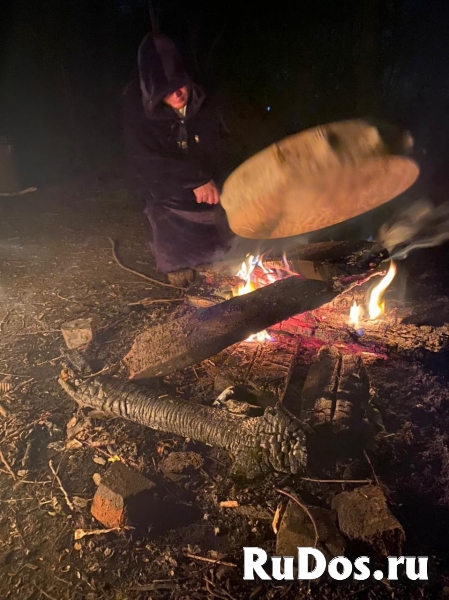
{"points": [[274, 441], [325, 260], [187, 341], [264, 369], [322, 261]]}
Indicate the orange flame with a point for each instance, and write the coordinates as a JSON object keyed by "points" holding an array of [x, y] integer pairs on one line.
{"points": [[376, 307], [355, 314], [248, 286]]}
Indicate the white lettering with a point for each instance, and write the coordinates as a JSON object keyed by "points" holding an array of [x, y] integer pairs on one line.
{"points": [[410, 568], [346, 568], [393, 562], [360, 564], [287, 573], [303, 563], [251, 566]]}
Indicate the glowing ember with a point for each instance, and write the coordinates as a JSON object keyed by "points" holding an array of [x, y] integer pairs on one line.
{"points": [[376, 307], [355, 313]]}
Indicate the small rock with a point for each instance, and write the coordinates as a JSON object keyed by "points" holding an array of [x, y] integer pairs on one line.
{"points": [[180, 462], [99, 460], [123, 498], [297, 530], [77, 333], [363, 514], [79, 502], [229, 504], [96, 478]]}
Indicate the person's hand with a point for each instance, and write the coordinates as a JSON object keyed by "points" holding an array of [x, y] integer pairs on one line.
{"points": [[207, 193]]}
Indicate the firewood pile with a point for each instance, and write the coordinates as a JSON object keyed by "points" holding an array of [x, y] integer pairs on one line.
{"points": [[307, 297]]}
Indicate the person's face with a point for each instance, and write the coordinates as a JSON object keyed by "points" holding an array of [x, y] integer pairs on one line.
{"points": [[178, 99]]}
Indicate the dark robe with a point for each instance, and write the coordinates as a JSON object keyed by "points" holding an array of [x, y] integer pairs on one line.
{"points": [[170, 155]]}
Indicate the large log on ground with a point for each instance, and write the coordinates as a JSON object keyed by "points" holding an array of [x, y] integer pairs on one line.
{"points": [[336, 390], [274, 441], [264, 369], [187, 341]]}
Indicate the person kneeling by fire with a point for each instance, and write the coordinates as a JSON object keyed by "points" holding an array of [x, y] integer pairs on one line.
{"points": [[172, 138]]}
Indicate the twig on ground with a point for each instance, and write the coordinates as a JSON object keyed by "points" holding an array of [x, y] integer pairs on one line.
{"points": [[67, 299], [49, 362], [146, 301], [305, 509], [14, 375], [5, 318], [166, 584], [17, 388], [28, 190], [61, 487], [7, 467], [81, 533], [22, 429], [335, 480], [134, 272], [210, 560], [14, 500], [372, 468], [103, 370], [44, 593], [219, 594]]}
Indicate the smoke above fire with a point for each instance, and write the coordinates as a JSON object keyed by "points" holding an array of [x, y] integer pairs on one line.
{"points": [[422, 225]]}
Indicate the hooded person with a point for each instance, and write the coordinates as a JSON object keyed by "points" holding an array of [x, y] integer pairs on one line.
{"points": [[172, 139]]}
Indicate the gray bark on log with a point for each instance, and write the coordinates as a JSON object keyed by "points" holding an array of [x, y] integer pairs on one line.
{"points": [[163, 349], [274, 441]]}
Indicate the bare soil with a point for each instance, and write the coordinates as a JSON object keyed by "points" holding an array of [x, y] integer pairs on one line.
{"points": [[56, 265]]}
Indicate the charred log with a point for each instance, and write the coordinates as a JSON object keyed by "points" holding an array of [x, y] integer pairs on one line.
{"points": [[187, 341], [262, 371], [336, 390], [274, 441], [326, 260]]}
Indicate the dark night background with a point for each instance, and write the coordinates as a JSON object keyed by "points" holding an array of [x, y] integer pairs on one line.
{"points": [[64, 65]]}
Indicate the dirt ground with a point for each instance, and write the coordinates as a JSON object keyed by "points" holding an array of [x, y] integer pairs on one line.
{"points": [[56, 265]]}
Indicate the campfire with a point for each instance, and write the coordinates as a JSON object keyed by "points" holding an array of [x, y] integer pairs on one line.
{"points": [[300, 305], [255, 275]]}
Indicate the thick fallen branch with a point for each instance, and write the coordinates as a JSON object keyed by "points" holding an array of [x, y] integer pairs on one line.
{"points": [[187, 341], [274, 441]]}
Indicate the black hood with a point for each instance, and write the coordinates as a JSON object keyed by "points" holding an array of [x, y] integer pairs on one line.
{"points": [[162, 72]]}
